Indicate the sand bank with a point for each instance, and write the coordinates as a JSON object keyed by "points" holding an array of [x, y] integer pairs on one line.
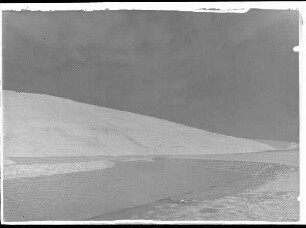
{"points": [[35, 170]]}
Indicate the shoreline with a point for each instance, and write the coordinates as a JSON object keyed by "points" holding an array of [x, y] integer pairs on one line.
{"points": [[264, 195], [231, 201]]}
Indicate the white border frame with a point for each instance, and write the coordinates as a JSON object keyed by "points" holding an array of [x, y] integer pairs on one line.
{"points": [[216, 7]]}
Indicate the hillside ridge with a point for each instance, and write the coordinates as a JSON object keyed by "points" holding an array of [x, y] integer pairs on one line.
{"points": [[38, 125]]}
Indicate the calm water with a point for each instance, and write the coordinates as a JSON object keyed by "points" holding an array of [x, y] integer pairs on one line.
{"points": [[78, 196]]}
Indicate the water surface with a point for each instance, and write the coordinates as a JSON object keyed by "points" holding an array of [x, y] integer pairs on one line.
{"points": [[79, 196]]}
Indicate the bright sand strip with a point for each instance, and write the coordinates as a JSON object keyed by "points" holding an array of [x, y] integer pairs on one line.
{"points": [[7, 161], [35, 170]]}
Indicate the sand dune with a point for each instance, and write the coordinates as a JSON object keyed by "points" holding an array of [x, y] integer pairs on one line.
{"points": [[37, 125]]}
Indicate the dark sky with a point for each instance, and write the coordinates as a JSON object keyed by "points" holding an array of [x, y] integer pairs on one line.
{"points": [[233, 74]]}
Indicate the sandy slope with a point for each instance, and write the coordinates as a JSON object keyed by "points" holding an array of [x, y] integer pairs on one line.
{"points": [[38, 125], [280, 145]]}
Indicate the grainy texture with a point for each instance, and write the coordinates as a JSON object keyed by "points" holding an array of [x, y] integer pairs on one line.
{"points": [[286, 157], [81, 195], [19, 171], [37, 125], [231, 73], [270, 194], [153, 83]]}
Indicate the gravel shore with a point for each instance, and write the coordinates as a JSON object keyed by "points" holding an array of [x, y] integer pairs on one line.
{"points": [[268, 194]]}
